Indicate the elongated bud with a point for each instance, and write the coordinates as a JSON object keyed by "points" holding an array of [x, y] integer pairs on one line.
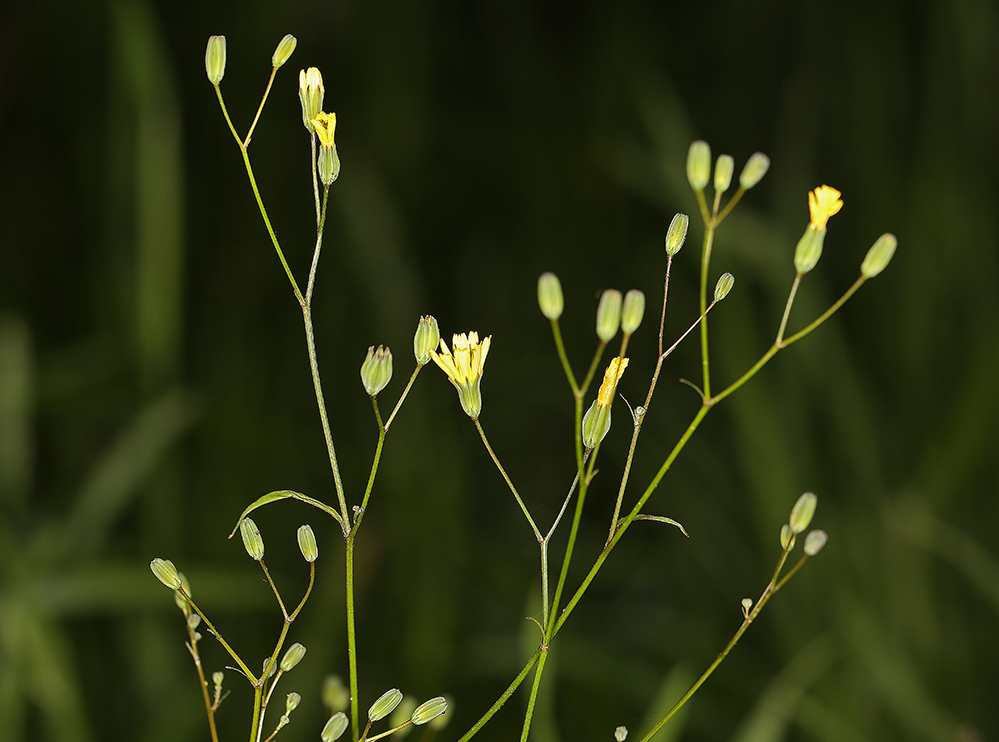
{"points": [[879, 255], [676, 233], [427, 336], [283, 51], [809, 249], [756, 167], [632, 311], [609, 314], [596, 424], [336, 726], [310, 93], [814, 542], [787, 537], [429, 710], [724, 167], [215, 59], [307, 543], [802, 512], [252, 539], [165, 572], [217, 677], [291, 702], [725, 283], [292, 657], [328, 164], [550, 295], [376, 371], [441, 721], [698, 164], [386, 702]]}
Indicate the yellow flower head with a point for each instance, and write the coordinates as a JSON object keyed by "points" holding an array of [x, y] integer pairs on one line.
{"points": [[613, 374], [823, 202], [325, 124], [464, 368]]}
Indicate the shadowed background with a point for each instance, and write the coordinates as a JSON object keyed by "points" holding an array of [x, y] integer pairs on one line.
{"points": [[154, 380]]}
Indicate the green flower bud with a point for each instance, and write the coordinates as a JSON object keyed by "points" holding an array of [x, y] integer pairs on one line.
{"points": [[328, 163], [787, 537], [676, 233], [426, 339], [632, 311], [335, 693], [252, 539], [724, 167], [698, 164], [814, 542], [310, 94], [385, 704], [596, 424], [879, 255], [268, 668], [376, 371], [747, 606], [550, 295], [291, 703], [165, 572], [429, 710], [215, 59], [217, 677], [307, 543], [193, 621], [756, 168], [441, 721], [809, 249], [336, 726], [283, 51], [725, 283], [609, 314], [179, 599], [802, 512], [621, 734], [292, 657]]}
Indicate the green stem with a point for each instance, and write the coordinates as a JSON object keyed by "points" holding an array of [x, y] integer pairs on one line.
{"points": [[192, 646], [352, 636], [506, 478], [504, 697], [260, 108], [529, 715], [374, 463], [560, 347], [319, 245], [405, 393], [709, 238], [214, 632]]}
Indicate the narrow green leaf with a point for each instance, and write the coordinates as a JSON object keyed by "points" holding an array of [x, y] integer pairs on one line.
{"points": [[284, 495]]}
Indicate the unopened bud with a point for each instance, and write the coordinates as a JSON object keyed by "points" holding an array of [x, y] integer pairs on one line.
{"points": [[676, 233], [609, 314], [809, 249], [632, 311], [165, 572], [283, 51], [328, 164], [802, 512], [252, 539], [441, 721], [814, 542], [336, 726], [193, 621], [787, 537], [756, 167], [217, 678], [376, 371], [310, 94], [386, 702], [550, 296], [268, 669], [724, 167], [621, 734], [307, 543], [425, 340], [725, 283], [215, 59], [747, 605], [596, 424], [429, 710], [291, 702], [698, 164], [879, 255], [292, 657]]}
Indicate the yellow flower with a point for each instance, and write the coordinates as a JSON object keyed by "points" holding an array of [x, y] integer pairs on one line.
{"points": [[464, 368], [613, 374], [325, 124], [823, 202]]}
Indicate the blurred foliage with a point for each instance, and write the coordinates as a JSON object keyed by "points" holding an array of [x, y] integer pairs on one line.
{"points": [[154, 381]]}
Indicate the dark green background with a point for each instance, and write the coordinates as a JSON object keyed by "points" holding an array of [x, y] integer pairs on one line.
{"points": [[154, 379]]}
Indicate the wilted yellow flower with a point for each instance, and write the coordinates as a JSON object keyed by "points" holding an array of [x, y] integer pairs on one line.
{"points": [[613, 374], [464, 368], [823, 202], [325, 124]]}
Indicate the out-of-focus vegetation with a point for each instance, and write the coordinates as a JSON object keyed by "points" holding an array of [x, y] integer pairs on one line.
{"points": [[153, 377]]}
